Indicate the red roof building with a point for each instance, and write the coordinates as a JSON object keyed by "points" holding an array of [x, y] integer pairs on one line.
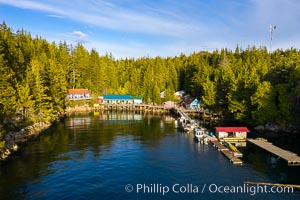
{"points": [[232, 132], [232, 129], [79, 94]]}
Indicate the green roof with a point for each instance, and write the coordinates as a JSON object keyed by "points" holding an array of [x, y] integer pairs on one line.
{"points": [[116, 97]]}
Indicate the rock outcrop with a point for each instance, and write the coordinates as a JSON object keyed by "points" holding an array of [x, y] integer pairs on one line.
{"points": [[13, 139]]}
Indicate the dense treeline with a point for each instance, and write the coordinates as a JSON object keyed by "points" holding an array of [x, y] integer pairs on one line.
{"points": [[250, 85]]}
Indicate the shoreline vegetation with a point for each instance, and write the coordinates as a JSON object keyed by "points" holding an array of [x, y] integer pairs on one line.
{"points": [[251, 86]]}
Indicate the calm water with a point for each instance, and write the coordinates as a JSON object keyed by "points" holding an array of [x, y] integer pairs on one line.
{"points": [[96, 156]]}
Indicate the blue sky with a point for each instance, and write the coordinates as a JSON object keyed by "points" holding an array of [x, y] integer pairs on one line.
{"points": [[137, 28]]}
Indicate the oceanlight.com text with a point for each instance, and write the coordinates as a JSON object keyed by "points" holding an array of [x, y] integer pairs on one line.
{"points": [[189, 188]]}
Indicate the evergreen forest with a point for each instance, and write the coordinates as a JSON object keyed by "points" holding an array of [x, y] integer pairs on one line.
{"points": [[250, 85]]}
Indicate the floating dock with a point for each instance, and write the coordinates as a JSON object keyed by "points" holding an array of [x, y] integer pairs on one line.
{"points": [[234, 160], [291, 158]]}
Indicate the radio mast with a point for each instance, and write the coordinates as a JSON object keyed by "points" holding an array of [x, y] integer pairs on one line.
{"points": [[272, 28]]}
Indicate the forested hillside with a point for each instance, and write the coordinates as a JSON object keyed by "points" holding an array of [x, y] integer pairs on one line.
{"points": [[250, 85]]}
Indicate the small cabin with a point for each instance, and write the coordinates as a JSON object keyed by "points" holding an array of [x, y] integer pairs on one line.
{"points": [[190, 103], [100, 99], [224, 133], [79, 94], [179, 94], [195, 104], [169, 105], [162, 94]]}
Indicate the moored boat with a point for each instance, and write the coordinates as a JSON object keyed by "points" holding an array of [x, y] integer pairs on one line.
{"points": [[200, 135]]}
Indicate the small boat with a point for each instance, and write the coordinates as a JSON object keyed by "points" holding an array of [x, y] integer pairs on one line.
{"points": [[200, 135]]}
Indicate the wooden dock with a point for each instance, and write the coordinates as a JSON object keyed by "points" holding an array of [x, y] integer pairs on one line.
{"points": [[227, 153], [291, 158], [130, 107], [183, 114]]}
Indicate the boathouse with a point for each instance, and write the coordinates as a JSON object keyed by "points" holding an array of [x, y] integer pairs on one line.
{"points": [[239, 133], [79, 94]]}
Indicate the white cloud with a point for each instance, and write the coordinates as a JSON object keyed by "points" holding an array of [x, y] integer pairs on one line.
{"points": [[29, 4], [79, 34], [56, 16], [109, 15]]}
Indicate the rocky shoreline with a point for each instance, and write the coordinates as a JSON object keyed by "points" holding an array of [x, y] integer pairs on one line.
{"points": [[85, 108], [274, 128], [14, 139]]}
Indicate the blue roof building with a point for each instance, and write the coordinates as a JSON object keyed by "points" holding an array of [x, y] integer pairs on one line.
{"points": [[137, 99], [116, 97], [195, 104], [121, 99]]}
